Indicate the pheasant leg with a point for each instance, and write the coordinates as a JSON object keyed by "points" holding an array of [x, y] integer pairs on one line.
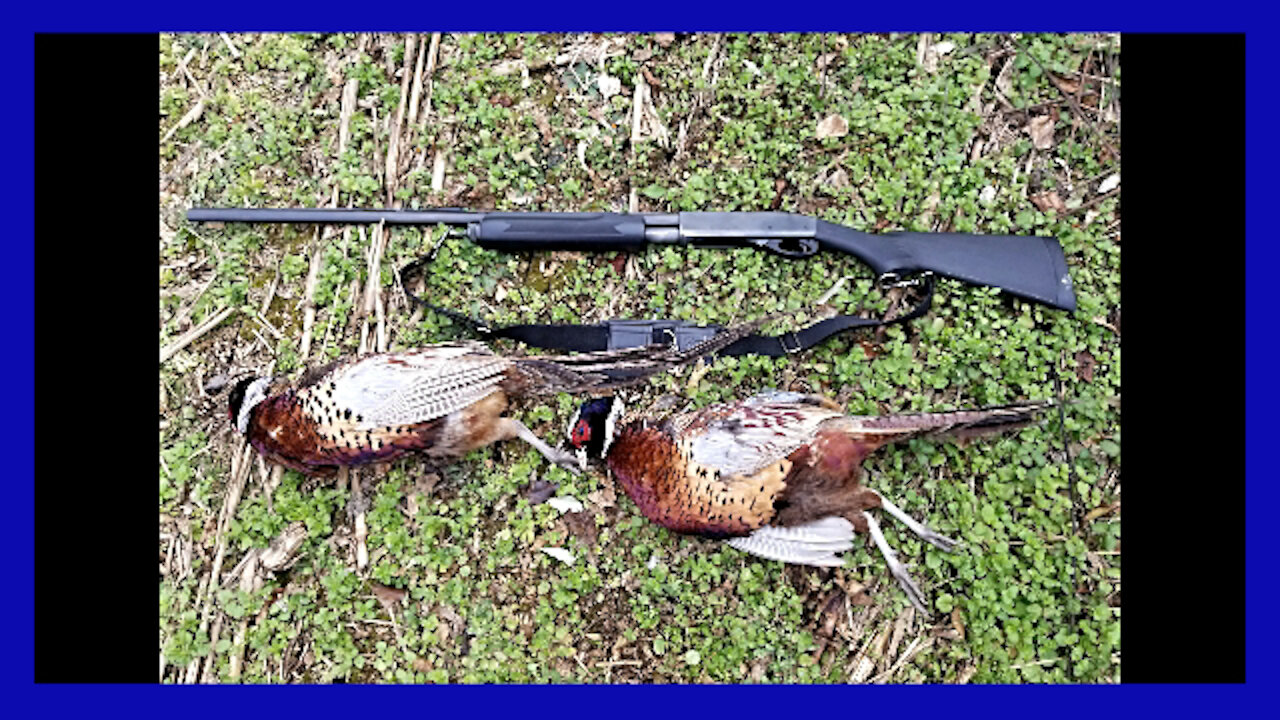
{"points": [[565, 459], [891, 559], [356, 502], [917, 527]]}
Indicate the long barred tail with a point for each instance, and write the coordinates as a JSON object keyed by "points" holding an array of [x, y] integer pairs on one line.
{"points": [[955, 423]]}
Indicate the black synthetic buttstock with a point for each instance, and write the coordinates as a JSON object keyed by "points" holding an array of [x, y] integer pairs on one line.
{"points": [[1029, 267]]}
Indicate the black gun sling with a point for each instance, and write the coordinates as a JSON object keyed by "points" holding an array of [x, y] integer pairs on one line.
{"points": [[619, 334]]}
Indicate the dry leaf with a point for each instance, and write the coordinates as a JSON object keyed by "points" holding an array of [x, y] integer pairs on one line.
{"points": [[832, 612], [1109, 184], [603, 498], [426, 483], [645, 122], [957, 622], [654, 559], [946, 633], [1041, 130], [1084, 365], [1004, 80], [649, 77], [927, 54], [565, 504], [583, 526], [216, 383], [832, 126], [695, 377], [1048, 201], [507, 67], [835, 180], [387, 595], [560, 554], [1066, 85], [539, 491], [665, 38], [609, 85], [1098, 512], [544, 127], [779, 186]]}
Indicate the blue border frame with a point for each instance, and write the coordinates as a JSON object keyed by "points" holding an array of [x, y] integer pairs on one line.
{"points": [[18, 51]]}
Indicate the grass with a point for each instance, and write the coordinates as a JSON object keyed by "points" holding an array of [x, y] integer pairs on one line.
{"points": [[1028, 599]]}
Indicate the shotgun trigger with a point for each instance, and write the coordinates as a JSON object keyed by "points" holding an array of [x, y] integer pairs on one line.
{"points": [[788, 247]]}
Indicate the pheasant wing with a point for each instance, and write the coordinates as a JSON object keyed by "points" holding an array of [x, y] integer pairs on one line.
{"points": [[414, 386], [816, 543], [744, 438]]}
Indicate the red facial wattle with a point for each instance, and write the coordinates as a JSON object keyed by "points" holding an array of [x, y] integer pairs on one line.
{"points": [[581, 434]]}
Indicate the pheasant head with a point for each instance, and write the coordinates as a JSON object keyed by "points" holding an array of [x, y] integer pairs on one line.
{"points": [[245, 396], [591, 430]]}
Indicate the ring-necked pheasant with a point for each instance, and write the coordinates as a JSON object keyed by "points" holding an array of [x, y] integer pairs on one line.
{"points": [[442, 400], [777, 474]]}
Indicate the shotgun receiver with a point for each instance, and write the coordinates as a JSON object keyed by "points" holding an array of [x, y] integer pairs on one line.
{"points": [[1033, 268]]}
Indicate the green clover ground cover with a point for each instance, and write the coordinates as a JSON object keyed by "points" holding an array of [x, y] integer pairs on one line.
{"points": [[535, 122]]}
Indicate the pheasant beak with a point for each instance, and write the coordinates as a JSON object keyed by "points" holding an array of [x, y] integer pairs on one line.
{"points": [[582, 458]]}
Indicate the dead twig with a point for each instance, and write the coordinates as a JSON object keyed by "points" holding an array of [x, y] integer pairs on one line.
{"points": [[235, 487], [206, 674], [1094, 201], [348, 109], [271, 292], [192, 115], [361, 534], [711, 56], [308, 299], [230, 45], [416, 95], [432, 53], [917, 646], [393, 146], [194, 334], [199, 294], [268, 326]]}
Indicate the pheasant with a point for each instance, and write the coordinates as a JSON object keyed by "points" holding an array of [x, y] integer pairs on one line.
{"points": [[441, 400], [776, 474]]}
